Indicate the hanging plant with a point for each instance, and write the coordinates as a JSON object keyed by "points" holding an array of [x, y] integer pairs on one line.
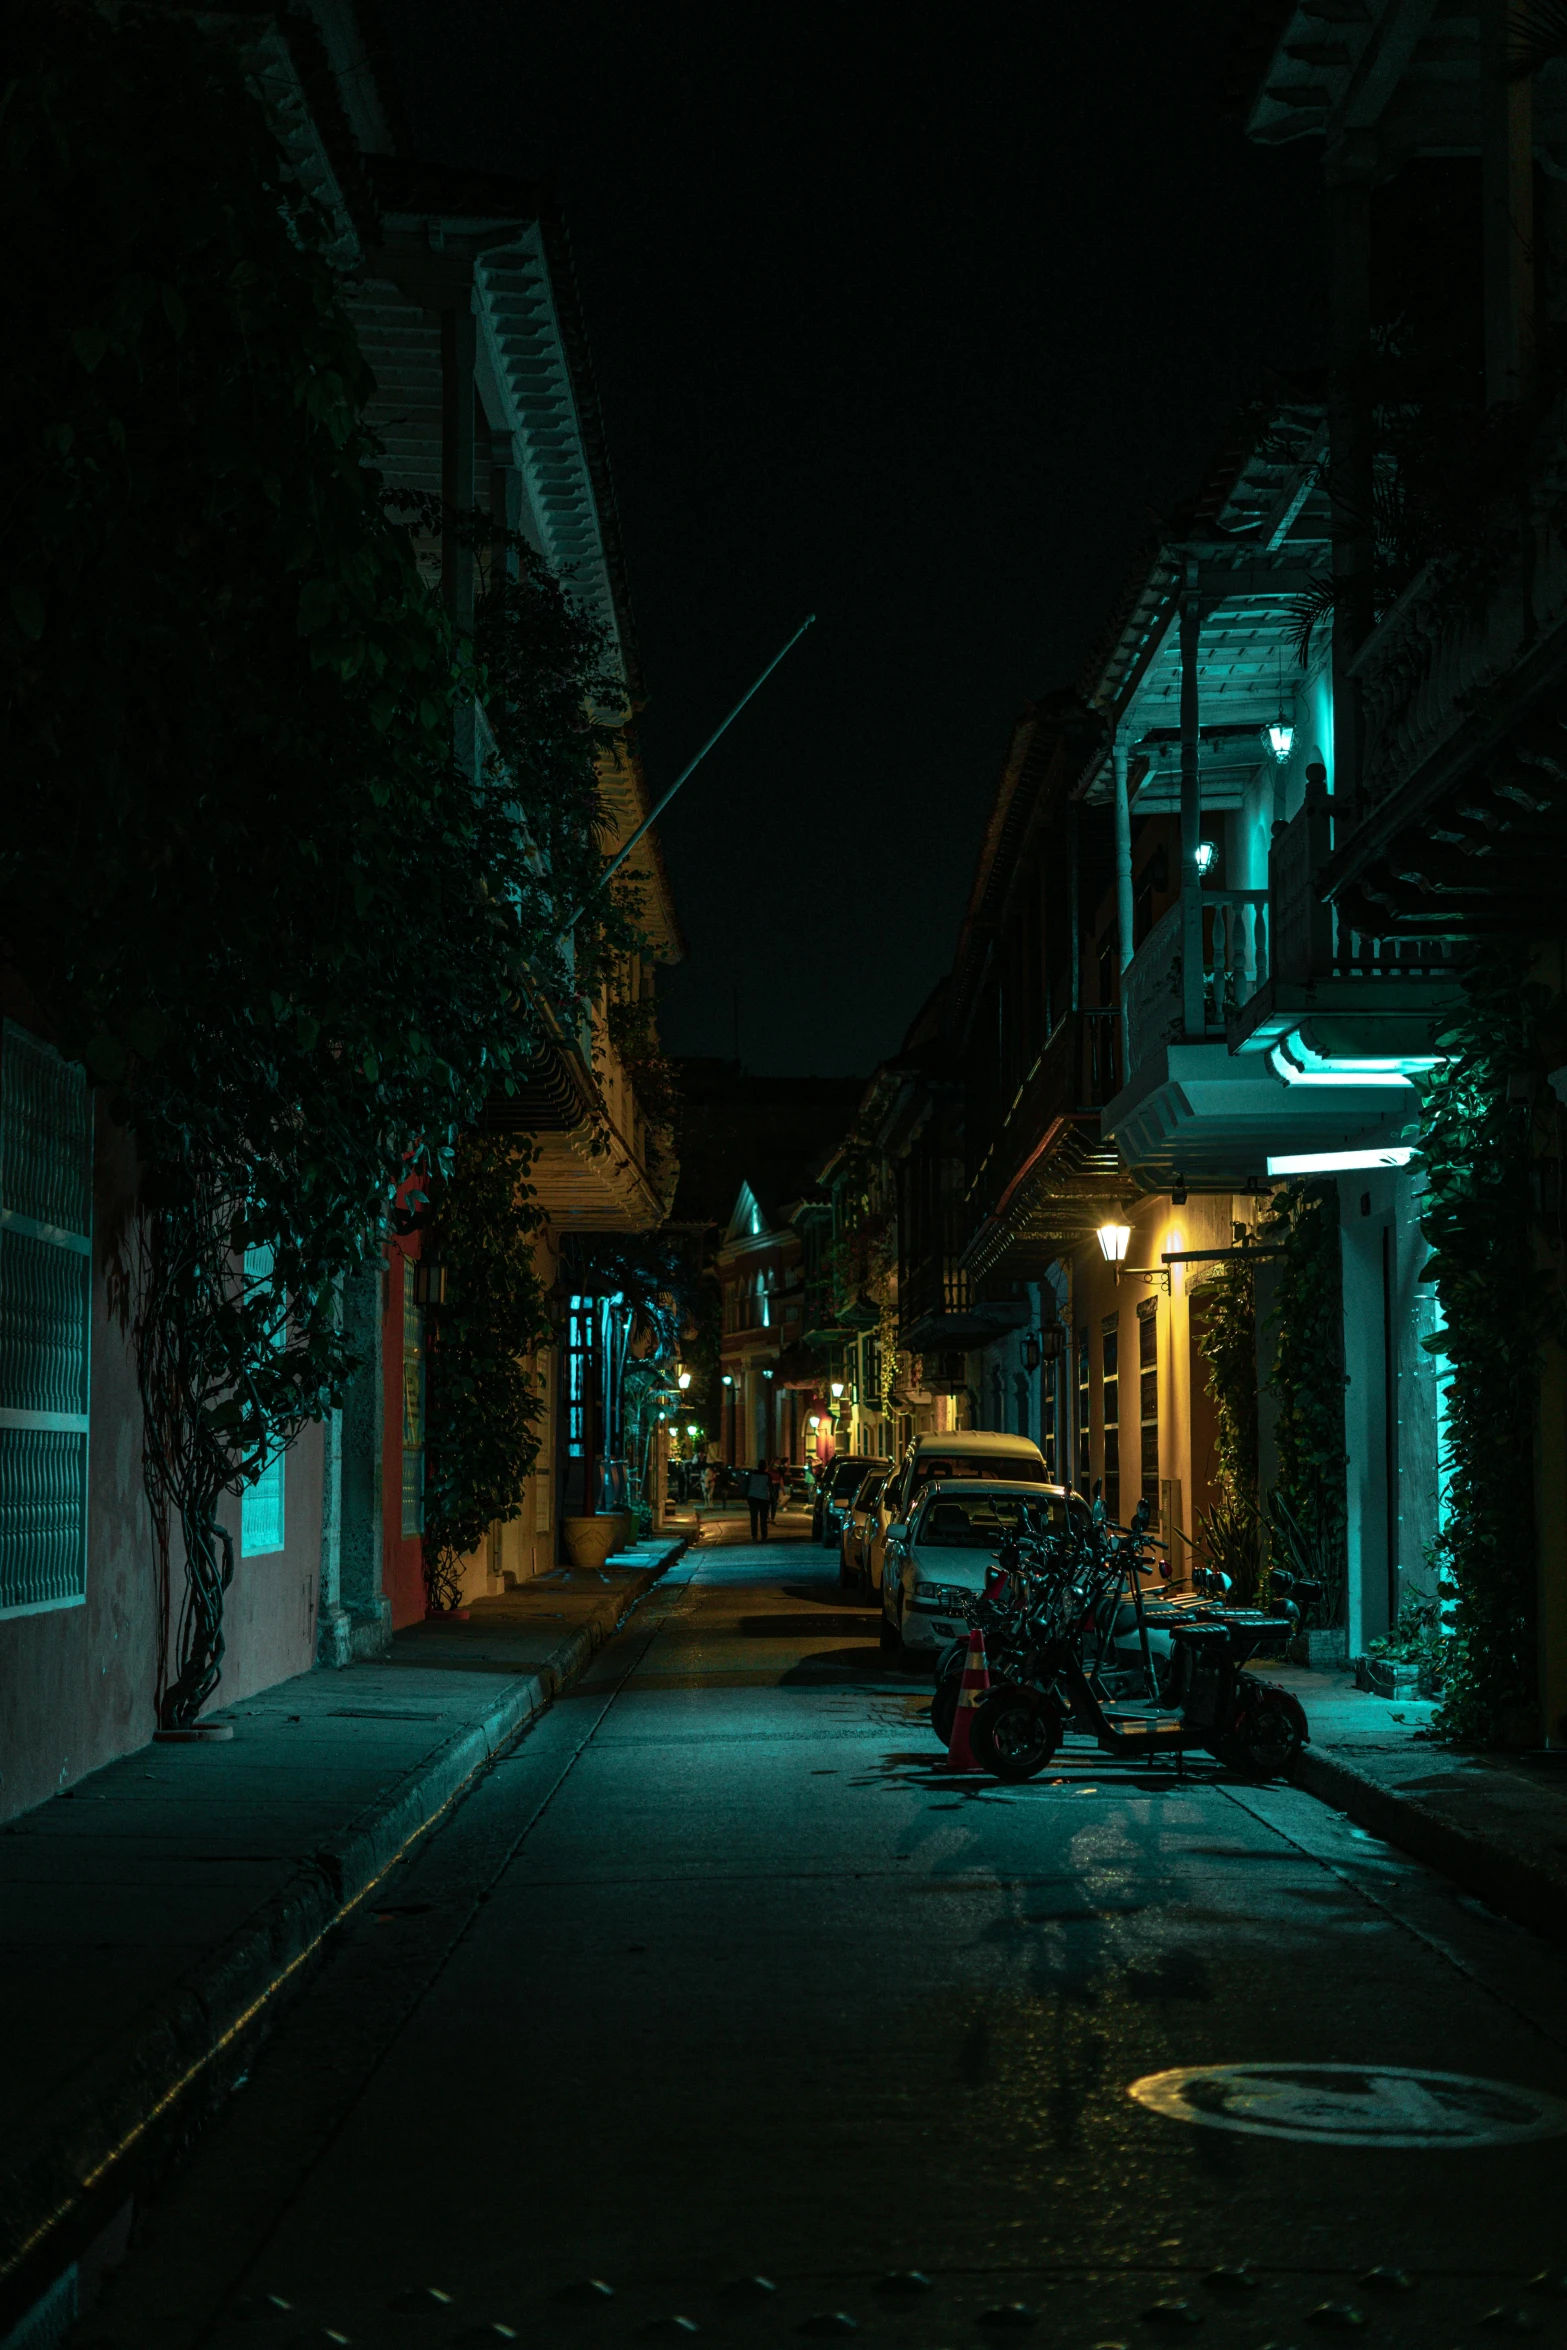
{"points": [[1307, 1511], [1497, 1306], [483, 1397]]}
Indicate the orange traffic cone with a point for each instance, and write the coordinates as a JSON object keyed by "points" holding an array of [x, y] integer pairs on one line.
{"points": [[975, 1685]]}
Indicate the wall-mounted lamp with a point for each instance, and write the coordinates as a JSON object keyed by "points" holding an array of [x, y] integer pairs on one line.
{"points": [[429, 1282], [684, 1381], [1280, 739], [837, 1389], [1207, 850], [1045, 1345], [728, 1379], [814, 1420], [766, 1374], [1112, 1242]]}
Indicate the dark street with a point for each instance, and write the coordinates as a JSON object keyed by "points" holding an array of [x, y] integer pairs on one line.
{"points": [[715, 1975]]}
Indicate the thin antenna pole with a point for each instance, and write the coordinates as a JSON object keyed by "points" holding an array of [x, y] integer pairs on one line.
{"points": [[648, 822]]}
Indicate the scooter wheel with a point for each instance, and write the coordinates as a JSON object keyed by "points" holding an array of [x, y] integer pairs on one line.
{"points": [[1016, 1733], [1265, 1743]]}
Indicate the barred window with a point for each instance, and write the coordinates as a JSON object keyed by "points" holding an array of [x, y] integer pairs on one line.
{"points": [[45, 1324]]}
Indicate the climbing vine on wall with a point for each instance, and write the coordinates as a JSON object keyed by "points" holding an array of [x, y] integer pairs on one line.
{"points": [[1228, 1531], [483, 1397], [245, 868], [1496, 1307], [1308, 1532]]}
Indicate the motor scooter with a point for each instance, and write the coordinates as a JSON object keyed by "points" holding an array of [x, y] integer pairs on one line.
{"points": [[1214, 1705]]}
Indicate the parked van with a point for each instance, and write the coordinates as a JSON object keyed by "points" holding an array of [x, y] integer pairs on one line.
{"points": [[970, 1452]]}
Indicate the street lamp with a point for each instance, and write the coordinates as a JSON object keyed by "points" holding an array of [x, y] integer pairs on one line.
{"points": [[814, 1420], [837, 1389], [1280, 739], [1112, 1242], [728, 1379], [685, 1381], [1207, 850]]}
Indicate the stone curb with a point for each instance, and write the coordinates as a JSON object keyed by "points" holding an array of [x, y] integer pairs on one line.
{"points": [[1511, 1882], [140, 2077]]}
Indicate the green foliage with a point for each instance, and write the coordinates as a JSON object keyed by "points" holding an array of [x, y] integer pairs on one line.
{"points": [[1497, 1307], [482, 1396], [1308, 1380], [242, 867], [1421, 1636], [1228, 1531]]}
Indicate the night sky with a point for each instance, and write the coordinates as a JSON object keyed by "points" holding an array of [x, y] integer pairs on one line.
{"points": [[915, 318]]}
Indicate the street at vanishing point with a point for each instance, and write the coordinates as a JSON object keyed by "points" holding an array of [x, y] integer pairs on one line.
{"points": [[717, 1989]]}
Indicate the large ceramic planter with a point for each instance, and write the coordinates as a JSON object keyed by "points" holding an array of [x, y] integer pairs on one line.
{"points": [[589, 1541]]}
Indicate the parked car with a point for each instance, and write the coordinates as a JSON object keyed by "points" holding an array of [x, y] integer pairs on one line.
{"points": [[972, 1452], [864, 1512], [836, 1486], [937, 1558]]}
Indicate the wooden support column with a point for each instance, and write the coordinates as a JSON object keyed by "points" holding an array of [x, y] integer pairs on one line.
{"points": [[1507, 180], [458, 354], [1351, 162], [1193, 1021]]}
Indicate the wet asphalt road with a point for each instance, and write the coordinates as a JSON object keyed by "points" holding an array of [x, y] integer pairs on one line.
{"points": [[716, 1975]]}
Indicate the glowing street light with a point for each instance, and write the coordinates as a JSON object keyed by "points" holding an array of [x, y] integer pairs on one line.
{"points": [[837, 1389], [1280, 739], [1113, 1239], [685, 1381], [814, 1420], [1207, 850]]}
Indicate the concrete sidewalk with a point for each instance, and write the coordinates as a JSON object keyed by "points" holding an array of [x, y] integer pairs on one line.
{"points": [[150, 1913], [1495, 1823]]}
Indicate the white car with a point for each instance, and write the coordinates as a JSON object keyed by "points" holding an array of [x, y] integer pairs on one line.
{"points": [[980, 1453], [937, 1560]]}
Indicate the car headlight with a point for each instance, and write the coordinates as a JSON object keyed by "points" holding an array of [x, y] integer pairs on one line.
{"points": [[943, 1599]]}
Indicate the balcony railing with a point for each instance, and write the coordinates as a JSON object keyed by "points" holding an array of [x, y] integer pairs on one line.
{"points": [[1312, 940], [1236, 949]]}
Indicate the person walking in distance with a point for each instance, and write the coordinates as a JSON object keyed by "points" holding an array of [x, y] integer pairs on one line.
{"points": [[774, 1487], [758, 1494]]}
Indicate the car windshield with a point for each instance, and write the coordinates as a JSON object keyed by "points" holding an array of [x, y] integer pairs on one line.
{"points": [[847, 1478], [982, 1521], [932, 1466]]}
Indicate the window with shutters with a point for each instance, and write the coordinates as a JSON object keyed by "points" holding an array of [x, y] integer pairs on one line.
{"points": [[1148, 1395], [261, 1514], [45, 1324], [1110, 1393]]}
